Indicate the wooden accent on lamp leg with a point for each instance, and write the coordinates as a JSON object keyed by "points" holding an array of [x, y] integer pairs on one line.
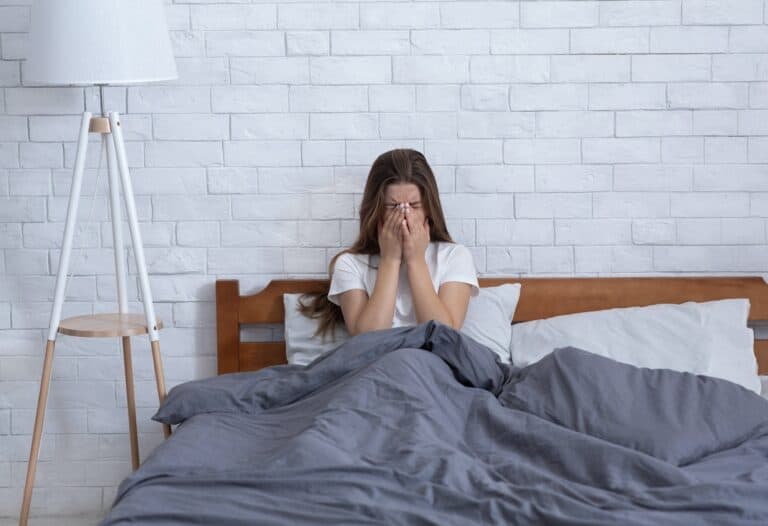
{"points": [[131, 402], [37, 434], [159, 379]]}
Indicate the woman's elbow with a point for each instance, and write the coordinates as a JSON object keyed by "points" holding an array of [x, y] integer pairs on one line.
{"points": [[456, 324], [352, 329]]}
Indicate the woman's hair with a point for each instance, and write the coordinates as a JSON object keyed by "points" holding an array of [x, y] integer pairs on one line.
{"points": [[399, 166]]}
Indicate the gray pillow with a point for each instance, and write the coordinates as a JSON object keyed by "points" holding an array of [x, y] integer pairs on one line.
{"points": [[674, 416]]}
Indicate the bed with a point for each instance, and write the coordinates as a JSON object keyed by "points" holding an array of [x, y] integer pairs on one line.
{"points": [[382, 432]]}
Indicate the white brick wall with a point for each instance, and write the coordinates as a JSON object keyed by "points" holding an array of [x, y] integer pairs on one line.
{"points": [[568, 137]]}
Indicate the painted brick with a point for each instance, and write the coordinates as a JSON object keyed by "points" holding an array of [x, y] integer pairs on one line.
{"points": [[244, 43], [682, 150], [317, 16], [572, 178], [721, 11], [484, 98], [479, 14], [627, 96], [640, 13], [553, 205], [508, 260], [558, 14], [653, 123], [515, 232], [328, 98], [191, 127], [615, 259], [528, 97], [232, 180], [489, 179], [163, 99], [552, 260], [391, 15], [545, 151], [630, 150], [53, 101], [487, 124], [350, 70], [709, 204], [644, 178], [249, 99], [593, 231], [183, 153], [307, 43], [610, 40], [689, 39], [574, 124], [631, 204], [428, 69], [590, 68], [270, 70], [262, 153], [219, 17]]}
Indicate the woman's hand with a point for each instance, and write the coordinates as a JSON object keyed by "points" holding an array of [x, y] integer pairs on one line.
{"points": [[390, 236], [415, 235]]}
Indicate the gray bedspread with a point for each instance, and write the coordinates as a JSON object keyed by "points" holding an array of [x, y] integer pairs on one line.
{"points": [[422, 425]]}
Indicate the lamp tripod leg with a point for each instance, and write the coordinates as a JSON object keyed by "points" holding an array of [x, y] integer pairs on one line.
{"points": [[37, 433], [53, 326], [138, 251], [122, 296]]}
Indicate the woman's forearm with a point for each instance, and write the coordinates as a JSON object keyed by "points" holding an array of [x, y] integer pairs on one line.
{"points": [[380, 308], [426, 302]]}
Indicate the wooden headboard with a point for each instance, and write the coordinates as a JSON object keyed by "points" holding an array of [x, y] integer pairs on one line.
{"points": [[539, 298]]}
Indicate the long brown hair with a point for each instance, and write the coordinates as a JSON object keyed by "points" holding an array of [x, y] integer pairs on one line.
{"points": [[402, 165]]}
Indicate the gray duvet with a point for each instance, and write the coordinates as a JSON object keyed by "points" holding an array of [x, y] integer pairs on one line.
{"points": [[422, 425]]}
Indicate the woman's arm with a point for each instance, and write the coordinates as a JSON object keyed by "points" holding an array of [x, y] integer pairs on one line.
{"points": [[449, 306], [362, 314]]}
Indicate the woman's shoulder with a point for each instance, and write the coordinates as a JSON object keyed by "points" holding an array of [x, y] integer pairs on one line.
{"points": [[446, 249], [349, 259]]}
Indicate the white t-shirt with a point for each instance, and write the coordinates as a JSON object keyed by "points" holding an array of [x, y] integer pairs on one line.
{"points": [[445, 261]]}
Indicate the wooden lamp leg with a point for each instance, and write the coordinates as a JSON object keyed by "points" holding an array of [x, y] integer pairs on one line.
{"points": [[159, 379], [37, 434], [131, 400]]}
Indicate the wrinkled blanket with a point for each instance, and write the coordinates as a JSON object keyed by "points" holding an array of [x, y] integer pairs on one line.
{"points": [[423, 425]]}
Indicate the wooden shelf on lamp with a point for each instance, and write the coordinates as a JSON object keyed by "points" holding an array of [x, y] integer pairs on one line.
{"points": [[106, 325]]}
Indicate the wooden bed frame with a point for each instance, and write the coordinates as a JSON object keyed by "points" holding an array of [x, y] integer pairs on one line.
{"points": [[540, 298]]}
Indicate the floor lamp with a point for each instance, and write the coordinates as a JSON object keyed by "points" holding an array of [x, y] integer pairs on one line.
{"points": [[99, 43]]}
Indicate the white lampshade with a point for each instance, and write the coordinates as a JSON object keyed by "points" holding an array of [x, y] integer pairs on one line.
{"points": [[88, 42]]}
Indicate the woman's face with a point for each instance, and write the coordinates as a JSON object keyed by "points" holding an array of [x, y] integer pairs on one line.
{"points": [[408, 194]]}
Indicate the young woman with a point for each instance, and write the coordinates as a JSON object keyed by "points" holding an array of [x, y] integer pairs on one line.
{"points": [[404, 268]]}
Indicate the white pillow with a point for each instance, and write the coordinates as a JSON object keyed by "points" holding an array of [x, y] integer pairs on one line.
{"points": [[488, 320], [489, 317], [710, 338]]}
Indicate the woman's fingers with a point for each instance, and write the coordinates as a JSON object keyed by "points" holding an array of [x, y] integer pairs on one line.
{"points": [[395, 220]]}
